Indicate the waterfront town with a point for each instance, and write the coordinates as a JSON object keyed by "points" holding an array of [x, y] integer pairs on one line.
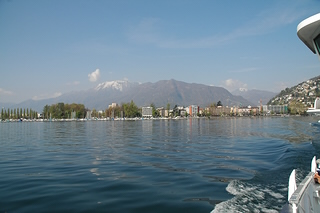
{"points": [[290, 101], [212, 110], [115, 111]]}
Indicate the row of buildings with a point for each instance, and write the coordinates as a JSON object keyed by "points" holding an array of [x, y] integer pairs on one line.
{"points": [[192, 110], [195, 110]]}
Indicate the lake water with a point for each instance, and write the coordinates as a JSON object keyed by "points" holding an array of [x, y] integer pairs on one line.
{"points": [[194, 165]]}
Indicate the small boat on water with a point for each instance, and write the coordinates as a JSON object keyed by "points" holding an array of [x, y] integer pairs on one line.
{"points": [[306, 196]]}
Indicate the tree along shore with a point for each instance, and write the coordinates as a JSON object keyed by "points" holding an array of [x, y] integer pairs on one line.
{"points": [[125, 110]]}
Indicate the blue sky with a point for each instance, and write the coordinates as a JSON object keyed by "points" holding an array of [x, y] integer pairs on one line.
{"points": [[48, 48]]}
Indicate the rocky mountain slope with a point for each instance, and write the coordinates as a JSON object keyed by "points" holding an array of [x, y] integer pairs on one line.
{"points": [[160, 93]]}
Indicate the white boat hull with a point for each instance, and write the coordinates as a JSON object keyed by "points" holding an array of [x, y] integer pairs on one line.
{"points": [[306, 197]]}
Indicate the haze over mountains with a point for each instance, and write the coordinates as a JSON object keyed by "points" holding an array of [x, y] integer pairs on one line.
{"points": [[255, 96], [160, 93]]}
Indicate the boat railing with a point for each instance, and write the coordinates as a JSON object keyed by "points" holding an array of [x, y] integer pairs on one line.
{"points": [[296, 196], [295, 193]]}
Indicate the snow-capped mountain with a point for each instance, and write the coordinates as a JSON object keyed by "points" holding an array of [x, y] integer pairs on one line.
{"points": [[115, 85], [243, 89], [160, 93]]}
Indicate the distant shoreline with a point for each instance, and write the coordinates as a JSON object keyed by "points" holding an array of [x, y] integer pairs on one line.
{"points": [[135, 119]]}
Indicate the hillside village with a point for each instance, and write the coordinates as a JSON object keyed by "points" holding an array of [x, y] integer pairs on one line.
{"points": [[304, 93]]}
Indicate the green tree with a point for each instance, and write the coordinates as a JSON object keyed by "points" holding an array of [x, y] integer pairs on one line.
{"points": [[63, 111], [35, 114], [53, 111], [80, 110], [155, 112], [94, 113], [113, 112], [175, 111], [296, 107], [2, 114], [168, 108], [317, 91], [219, 103], [45, 112], [57, 110], [131, 110], [60, 110]]}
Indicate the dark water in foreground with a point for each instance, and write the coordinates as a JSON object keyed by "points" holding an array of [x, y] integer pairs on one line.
{"points": [[196, 165]]}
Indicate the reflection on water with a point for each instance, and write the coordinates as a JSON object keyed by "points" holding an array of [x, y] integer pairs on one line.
{"points": [[191, 165]]}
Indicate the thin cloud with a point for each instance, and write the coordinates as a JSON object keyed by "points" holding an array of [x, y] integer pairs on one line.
{"points": [[46, 96], [73, 83], [245, 70], [148, 31], [281, 85], [5, 92], [94, 76], [95, 47], [264, 23]]}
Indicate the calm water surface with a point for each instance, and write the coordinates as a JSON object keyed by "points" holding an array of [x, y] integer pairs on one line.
{"points": [[194, 165]]}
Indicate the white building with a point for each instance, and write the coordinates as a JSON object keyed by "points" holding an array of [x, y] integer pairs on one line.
{"points": [[113, 105], [317, 103], [147, 112]]}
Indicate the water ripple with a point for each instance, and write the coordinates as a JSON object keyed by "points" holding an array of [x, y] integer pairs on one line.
{"points": [[196, 165]]}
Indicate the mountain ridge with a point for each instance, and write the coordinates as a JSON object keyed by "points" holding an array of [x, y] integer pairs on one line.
{"points": [[159, 93]]}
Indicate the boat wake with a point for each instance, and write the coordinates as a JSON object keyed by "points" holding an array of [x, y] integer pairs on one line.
{"points": [[252, 198]]}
